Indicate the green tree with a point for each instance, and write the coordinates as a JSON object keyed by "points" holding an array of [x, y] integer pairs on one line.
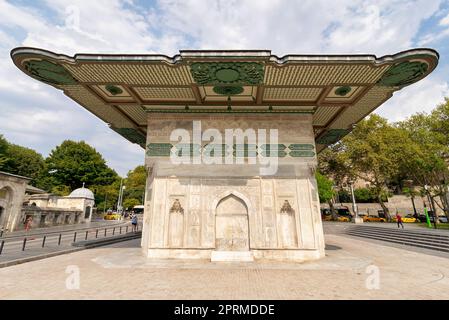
{"points": [[333, 163], [363, 195], [372, 153], [135, 187], [411, 193], [135, 184], [425, 157], [3, 148], [72, 163], [325, 188], [61, 190], [19, 160], [106, 196], [366, 195], [326, 192], [23, 161], [130, 203]]}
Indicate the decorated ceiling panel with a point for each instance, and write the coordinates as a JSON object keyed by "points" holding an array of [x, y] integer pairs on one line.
{"points": [[123, 89], [95, 105], [291, 93], [165, 93], [131, 73], [137, 113], [323, 74], [323, 115]]}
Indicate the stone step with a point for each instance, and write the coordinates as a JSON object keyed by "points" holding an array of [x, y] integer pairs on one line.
{"points": [[403, 231], [404, 235], [398, 241], [232, 256], [404, 238]]}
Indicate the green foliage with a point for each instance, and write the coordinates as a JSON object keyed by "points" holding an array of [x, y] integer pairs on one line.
{"points": [[368, 195], [61, 190], [135, 187], [325, 188], [344, 196], [106, 196], [23, 161], [19, 160], [389, 156], [372, 153], [73, 163], [130, 203], [68, 166], [3, 148]]}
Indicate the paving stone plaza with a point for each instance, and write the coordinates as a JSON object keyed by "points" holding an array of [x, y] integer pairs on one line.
{"points": [[120, 271], [245, 197], [235, 218]]}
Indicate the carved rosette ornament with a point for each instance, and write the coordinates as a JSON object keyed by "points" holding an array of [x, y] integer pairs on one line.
{"points": [[227, 73], [227, 77], [176, 207]]}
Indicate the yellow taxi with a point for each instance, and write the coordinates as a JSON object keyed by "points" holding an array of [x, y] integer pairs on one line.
{"points": [[408, 218], [370, 218], [342, 215], [343, 219], [112, 216]]}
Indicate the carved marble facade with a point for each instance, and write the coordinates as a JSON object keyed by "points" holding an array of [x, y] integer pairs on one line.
{"points": [[232, 212]]}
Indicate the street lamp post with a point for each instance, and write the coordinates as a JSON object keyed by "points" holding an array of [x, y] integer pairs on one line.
{"points": [[120, 198], [432, 206], [354, 205]]}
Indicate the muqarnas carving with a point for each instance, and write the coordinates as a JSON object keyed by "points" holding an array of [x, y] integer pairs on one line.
{"points": [[287, 208], [176, 225], [176, 207], [287, 226]]}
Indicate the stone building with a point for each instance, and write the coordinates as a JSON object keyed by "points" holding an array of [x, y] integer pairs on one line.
{"points": [[231, 137], [19, 201], [51, 210], [12, 194]]}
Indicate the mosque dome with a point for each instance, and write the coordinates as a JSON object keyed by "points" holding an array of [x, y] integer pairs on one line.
{"points": [[82, 193]]}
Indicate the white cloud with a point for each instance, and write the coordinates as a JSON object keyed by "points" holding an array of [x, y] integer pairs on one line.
{"points": [[420, 97], [39, 116], [444, 21], [317, 26]]}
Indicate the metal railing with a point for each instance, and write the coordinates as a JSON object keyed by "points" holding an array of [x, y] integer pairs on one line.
{"points": [[52, 239]]}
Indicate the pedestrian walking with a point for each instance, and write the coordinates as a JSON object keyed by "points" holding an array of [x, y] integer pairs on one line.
{"points": [[134, 222], [28, 223], [399, 220]]}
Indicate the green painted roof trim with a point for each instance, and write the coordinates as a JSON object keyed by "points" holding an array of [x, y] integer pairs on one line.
{"points": [[332, 136], [227, 111], [49, 72], [404, 73], [132, 135]]}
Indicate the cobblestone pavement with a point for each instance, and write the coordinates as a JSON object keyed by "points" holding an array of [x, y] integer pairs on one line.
{"points": [[120, 271]]}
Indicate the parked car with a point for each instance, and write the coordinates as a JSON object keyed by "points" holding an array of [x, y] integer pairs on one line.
{"points": [[441, 219], [112, 216], [408, 218], [342, 215], [372, 218]]}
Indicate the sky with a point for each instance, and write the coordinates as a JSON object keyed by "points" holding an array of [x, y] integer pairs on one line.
{"points": [[40, 117]]}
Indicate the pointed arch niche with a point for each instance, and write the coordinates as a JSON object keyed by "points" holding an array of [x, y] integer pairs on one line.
{"points": [[232, 224]]}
